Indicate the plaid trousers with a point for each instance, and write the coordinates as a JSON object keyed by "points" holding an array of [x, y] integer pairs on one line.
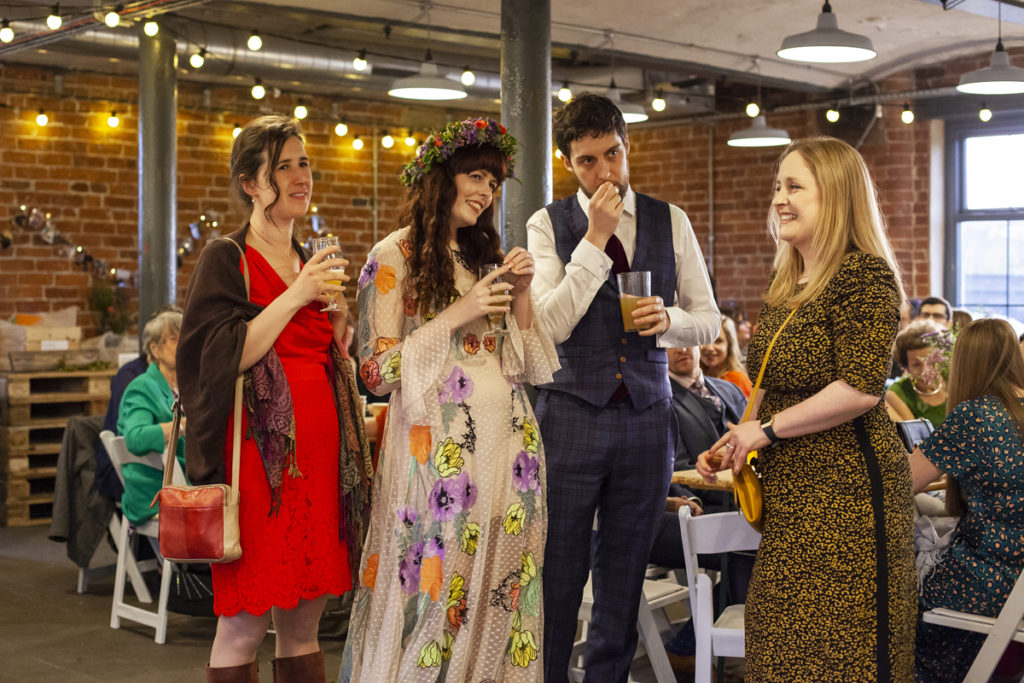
{"points": [[616, 461]]}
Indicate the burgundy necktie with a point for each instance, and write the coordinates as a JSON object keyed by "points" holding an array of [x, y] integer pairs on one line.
{"points": [[620, 264]]}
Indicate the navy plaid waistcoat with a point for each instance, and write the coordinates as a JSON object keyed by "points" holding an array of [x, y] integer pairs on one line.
{"points": [[599, 354]]}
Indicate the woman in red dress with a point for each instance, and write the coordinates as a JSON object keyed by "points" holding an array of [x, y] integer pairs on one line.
{"points": [[304, 463]]}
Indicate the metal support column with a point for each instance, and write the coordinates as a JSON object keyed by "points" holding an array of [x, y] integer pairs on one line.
{"points": [[526, 110], [157, 177]]}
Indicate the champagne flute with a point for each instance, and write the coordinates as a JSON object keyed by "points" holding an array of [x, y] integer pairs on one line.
{"points": [[496, 319], [334, 272]]}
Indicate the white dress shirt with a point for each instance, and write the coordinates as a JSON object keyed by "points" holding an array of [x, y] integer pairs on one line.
{"points": [[564, 291]]}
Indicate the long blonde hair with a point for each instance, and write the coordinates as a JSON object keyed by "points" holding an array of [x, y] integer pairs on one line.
{"points": [[732, 349], [849, 220], [986, 360]]}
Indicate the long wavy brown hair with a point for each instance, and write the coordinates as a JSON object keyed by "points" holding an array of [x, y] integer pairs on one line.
{"points": [[986, 361], [427, 210]]}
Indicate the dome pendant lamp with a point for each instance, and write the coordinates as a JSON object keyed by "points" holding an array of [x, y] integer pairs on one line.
{"points": [[999, 77], [827, 44]]}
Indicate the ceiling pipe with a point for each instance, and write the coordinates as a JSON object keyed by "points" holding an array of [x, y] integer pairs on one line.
{"points": [[39, 34]]}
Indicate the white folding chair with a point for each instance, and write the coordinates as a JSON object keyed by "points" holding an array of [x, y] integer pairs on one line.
{"points": [[651, 622], [722, 532], [1001, 630], [157, 620]]}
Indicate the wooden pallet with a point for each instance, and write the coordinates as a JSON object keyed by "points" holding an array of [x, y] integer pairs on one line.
{"points": [[35, 387], [29, 511], [26, 485], [32, 437]]}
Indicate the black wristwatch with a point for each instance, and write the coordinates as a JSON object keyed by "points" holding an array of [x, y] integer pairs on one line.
{"points": [[766, 427]]}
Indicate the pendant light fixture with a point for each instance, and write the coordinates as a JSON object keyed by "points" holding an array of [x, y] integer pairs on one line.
{"points": [[999, 77], [631, 113], [827, 43], [429, 84], [758, 134]]}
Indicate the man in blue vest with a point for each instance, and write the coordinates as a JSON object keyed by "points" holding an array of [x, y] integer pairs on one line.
{"points": [[606, 419]]}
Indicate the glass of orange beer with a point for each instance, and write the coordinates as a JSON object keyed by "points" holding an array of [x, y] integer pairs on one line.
{"points": [[633, 286]]}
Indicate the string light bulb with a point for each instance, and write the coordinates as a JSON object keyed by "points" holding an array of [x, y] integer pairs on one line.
{"points": [[985, 114], [197, 59], [658, 103], [301, 111], [907, 116], [753, 110], [113, 121], [341, 130], [360, 63], [564, 93], [151, 28], [387, 142], [53, 21], [113, 18], [258, 91], [410, 141], [236, 131], [468, 78], [558, 153], [6, 32], [255, 42], [41, 118], [832, 115], [357, 143]]}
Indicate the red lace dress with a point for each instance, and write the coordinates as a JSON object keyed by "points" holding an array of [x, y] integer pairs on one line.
{"points": [[296, 553]]}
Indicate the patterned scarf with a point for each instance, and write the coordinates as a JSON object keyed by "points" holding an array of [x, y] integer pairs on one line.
{"points": [[268, 404]]}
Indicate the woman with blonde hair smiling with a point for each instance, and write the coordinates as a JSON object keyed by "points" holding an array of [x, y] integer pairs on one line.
{"points": [[721, 358], [837, 502]]}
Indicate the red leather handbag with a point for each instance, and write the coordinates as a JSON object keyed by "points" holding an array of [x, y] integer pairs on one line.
{"points": [[200, 523]]}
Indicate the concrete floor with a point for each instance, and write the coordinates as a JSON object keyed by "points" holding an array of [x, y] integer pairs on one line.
{"points": [[49, 632]]}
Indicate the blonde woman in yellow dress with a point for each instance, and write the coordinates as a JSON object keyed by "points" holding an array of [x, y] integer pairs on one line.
{"points": [[832, 596]]}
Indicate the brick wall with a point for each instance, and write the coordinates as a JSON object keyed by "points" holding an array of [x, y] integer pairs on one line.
{"points": [[85, 174]]}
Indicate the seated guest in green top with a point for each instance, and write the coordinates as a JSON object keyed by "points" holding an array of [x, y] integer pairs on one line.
{"points": [[922, 391], [145, 417]]}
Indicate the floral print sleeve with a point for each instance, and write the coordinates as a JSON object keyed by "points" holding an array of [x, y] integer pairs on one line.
{"points": [[957, 444], [530, 355], [389, 339]]}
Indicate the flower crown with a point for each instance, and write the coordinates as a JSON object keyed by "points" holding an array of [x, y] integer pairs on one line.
{"points": [[440, 146]]}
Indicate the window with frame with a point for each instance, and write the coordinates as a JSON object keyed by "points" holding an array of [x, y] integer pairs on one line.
{"points": [[985, 217]]}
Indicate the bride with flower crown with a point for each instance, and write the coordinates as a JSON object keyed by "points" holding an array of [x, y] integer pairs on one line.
{"points": [[450, 581]]}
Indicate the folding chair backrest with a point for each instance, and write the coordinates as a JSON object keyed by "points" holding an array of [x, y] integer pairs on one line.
{"points": [[117, 449], [721, 532]]}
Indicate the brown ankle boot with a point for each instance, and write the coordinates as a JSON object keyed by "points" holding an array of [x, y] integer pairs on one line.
{"points": [[301, 669], [243, 673]]}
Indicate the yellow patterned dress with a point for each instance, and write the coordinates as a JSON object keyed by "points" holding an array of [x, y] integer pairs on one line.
{"points": [[833, 593], [450, 582]]}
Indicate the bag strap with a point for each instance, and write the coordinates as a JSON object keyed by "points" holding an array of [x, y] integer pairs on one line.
{"points": [[764, 364], [236, 440]]}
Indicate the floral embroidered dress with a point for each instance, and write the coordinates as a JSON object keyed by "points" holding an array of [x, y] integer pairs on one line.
{"points": [[450, 582]]}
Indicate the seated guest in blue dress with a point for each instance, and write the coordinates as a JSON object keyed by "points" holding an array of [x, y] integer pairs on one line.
{"points": [[980, 445], [146, 417]]}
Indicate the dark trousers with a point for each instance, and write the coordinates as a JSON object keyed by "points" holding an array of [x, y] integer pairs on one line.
{"points": [[616, 461]]}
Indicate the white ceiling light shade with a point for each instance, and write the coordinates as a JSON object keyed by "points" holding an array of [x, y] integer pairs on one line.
{"points": [[998, 78], [427, 85], [827, 43], [759, 135], [631, 113]]}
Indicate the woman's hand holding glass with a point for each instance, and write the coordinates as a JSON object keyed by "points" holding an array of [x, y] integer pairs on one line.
{"points": [[487, 297], [335, 270], [321, 279]]}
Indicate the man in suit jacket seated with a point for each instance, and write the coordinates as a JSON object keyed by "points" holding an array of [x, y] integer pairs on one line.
{"points": [[703, 407]]}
